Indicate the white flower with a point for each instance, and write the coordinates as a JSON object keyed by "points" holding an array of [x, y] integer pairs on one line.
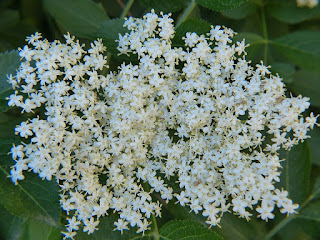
{"points": [[24, 130], [73, 223], [90, 225], [265, 211], [16, 174], [121, 225], [17, 151]]}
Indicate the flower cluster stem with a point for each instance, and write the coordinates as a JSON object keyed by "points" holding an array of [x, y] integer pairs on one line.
{"points": [[283, 223], [127, 8], [265, 35], [186, 13], [155, 229]]}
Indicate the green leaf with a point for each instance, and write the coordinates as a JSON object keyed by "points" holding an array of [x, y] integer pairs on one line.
{"points": [[196, 25], [295, 176], [299, 229], [40, 231], [233, 227], [109, 31], [311, 211], [301, 48], [285, 70], [164, 5], [79, 17], [9, 62], [220, 5], [182, 213], [314, 142], [255, 42], [3, 102], [32, 198], [316, 189], [310, 227], [288, 12], [240, 12], [8, 122], [11, 227], [187, 229], [307, 84]]}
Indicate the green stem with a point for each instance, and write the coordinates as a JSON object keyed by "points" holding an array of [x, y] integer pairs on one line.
{"points": [[186, 13], [258, 2], [287, 220], [105, 70], [279, 226], [109, 55], [265, 35], [127, 8], [155, 229]]}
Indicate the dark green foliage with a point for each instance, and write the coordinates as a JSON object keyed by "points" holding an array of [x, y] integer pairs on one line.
{"points": [[109, 31], [3, 101], [288, 12], [9, 62], [301, 48], [314, 146], [164, 5], [295, 176], [285, 70], [240, 12], [308, 84], [220, 5], [79, 17], [11, 227], [187, 229], [316, 189], [311, 212]]}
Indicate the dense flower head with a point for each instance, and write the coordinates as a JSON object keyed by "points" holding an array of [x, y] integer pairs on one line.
{"points": [[201, 115]]}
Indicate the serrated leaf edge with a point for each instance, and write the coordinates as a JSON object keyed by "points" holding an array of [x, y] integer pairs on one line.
{"points": [[33, 200]]}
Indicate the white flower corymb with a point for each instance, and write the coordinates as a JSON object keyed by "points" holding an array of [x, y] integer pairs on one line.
{"points": [[199, 115]]}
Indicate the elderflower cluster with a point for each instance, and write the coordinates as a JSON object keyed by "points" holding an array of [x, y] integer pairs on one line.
{"points": [[200, 117], [307, 3]]}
